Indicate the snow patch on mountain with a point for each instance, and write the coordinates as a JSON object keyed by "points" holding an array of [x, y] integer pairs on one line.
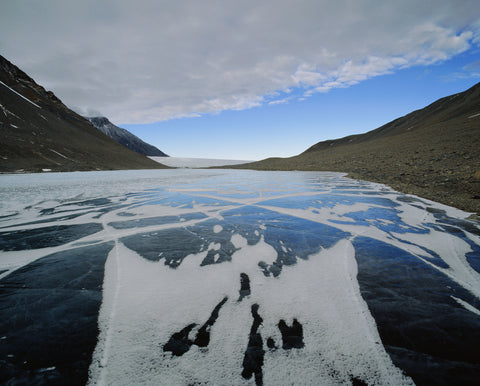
{"points": [[20, 95]]}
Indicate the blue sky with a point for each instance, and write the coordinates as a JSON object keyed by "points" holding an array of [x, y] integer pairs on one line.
{"points": [[244, 79], [288, 129]]}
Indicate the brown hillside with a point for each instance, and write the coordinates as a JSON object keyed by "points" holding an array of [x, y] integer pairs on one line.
{"points": [[433, 152], [37, 131]]}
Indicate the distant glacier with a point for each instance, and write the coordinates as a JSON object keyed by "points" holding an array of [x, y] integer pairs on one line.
{"points": [[196, 163]]}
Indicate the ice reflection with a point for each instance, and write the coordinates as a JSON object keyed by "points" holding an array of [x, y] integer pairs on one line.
{"points": [[264, 264]]}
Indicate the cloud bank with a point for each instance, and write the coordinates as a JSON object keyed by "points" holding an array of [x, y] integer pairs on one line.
{"points": [[148, 60]]}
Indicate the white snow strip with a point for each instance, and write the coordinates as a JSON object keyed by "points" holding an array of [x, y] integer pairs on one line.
{"points": [[20, 95], [61, 155], [466, 305], [6, 112], [475, 115]]}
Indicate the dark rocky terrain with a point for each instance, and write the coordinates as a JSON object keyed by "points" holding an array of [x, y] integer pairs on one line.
{"points": [[433, 152], [125, 138], [38, 132]]}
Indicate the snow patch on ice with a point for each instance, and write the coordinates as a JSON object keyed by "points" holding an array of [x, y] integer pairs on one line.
{"points": [[146, 303], [453, 251], [467, 306]]}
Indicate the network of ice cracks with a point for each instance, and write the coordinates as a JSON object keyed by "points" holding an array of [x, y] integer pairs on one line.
{"points": [[229, 257]]}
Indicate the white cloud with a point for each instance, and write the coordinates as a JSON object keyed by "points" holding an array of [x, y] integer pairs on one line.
{"points": [[152, 60]]}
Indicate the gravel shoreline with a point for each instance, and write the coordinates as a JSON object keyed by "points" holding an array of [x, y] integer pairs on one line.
{"points": [[426, 164]]}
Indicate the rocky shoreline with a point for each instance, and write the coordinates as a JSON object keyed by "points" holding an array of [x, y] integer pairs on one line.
{"points": [[452, 185], [430, 163]]}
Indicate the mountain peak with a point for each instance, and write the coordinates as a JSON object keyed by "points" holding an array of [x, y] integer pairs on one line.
{"points": [[99, 120], [125, 138]]}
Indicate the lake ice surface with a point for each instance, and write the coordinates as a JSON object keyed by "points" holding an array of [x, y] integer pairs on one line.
{"points": [[223, 277]]}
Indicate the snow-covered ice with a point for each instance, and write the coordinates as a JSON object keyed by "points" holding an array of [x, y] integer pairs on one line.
{"points": [[233, 277]]}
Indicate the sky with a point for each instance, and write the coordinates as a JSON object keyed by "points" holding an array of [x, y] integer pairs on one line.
{"points": [[244, 79]]}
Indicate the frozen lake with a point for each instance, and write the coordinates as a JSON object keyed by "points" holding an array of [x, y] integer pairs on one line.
{"points": [[195, 277]]}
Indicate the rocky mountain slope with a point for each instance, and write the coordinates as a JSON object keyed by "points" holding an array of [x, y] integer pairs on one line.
{"points": [[125, 138], [433, 152], [38, 132]]}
